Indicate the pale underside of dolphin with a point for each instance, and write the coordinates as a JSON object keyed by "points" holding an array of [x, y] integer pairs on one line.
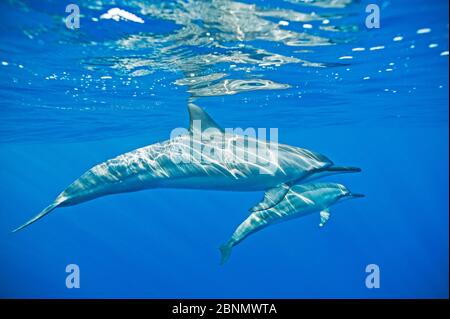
{"points": [[163, 165], [300, 200]]}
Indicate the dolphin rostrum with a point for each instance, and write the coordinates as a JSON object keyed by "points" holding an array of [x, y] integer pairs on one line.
{"points": [[299, 201], [203, 157]]}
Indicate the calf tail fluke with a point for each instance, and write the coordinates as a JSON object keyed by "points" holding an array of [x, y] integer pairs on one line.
{"points": [[225, 251], [46, 210]]}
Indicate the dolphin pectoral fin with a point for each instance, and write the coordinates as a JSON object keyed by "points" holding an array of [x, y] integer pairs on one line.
{"points": [[324, 216], [46, 210], [271, 197], [199, 120], [225, 251]]}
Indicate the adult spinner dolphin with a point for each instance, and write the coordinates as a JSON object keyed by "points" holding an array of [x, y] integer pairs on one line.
{"points": [[299, 201], [203, 157]]}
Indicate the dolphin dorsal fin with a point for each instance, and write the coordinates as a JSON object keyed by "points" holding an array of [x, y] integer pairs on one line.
{"points": [[199, 119], [271, 197]]}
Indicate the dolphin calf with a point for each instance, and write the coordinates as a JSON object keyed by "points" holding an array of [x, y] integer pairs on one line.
{"points": [[191, 160], [299, 201]]}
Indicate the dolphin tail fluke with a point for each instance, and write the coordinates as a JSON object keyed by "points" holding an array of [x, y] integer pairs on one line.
{"points": [[225, 251], [344, 169], [46, 210]]}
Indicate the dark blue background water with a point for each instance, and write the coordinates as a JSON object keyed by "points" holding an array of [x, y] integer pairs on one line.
{"points": [[59, 117]]}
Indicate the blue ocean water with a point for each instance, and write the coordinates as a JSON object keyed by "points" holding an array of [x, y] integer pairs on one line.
{"points": [[372, 98]]}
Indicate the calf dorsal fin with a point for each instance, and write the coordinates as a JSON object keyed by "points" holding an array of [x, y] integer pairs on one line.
{"points": [[272, 197]]}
